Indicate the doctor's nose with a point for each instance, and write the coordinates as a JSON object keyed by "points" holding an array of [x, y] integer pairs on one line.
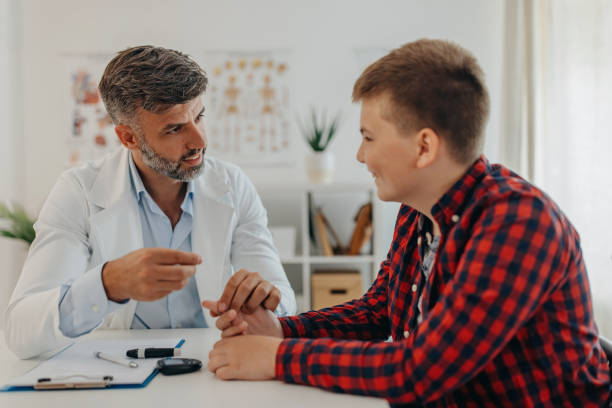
{"points": [[197, 137]]}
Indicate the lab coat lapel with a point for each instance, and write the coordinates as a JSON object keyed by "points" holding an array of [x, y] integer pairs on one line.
{"points": [[116, 229], [210, 235]]}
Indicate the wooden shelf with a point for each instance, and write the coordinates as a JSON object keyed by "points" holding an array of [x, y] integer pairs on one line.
{"points": [[292, 260], [291, 206]]}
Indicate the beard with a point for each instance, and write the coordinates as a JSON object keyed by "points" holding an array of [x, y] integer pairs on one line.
{"points": [[170, 168]]}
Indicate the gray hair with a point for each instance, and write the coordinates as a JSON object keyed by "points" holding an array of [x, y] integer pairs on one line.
{"points": [[152, 78]]}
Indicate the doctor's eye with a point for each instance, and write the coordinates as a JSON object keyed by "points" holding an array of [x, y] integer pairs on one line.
{"points": [[174, 129]]}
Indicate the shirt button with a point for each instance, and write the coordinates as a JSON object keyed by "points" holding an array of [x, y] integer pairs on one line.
{"points": [[95, 308], [406, 334], [414, 287], [455, 218]]}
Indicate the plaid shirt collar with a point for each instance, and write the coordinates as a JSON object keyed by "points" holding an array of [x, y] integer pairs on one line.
{"points": [[449, 208]]}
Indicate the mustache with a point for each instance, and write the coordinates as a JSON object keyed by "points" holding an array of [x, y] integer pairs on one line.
{"points": [[193, 152]]}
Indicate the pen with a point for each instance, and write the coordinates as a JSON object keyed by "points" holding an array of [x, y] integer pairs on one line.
{"points": [[73, 381], [117, 360], [153, 352]]}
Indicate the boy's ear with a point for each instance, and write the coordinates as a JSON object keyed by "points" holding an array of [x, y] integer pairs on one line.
{"points": [[127, 136], [428, 146]]}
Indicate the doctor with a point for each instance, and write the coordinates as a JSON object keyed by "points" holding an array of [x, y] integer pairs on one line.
{"points": [[139, 238]]}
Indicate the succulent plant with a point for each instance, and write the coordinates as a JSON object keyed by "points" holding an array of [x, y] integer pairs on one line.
{"points": [[320, 132]]}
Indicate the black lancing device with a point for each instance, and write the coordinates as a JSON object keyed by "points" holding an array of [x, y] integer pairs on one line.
{"points": [[153, 352]]}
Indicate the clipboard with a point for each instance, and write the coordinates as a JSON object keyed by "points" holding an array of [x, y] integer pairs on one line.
{"points": [[76, 367]]}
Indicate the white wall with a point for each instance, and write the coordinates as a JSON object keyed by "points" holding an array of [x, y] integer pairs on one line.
{"points": [[321, 34], [11, 140]]}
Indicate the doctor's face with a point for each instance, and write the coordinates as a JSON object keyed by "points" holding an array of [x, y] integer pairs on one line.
{"points": [[173, 143]]}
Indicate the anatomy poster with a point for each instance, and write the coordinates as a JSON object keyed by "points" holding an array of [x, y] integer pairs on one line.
{"points": [[90, 130], [248, 117]]}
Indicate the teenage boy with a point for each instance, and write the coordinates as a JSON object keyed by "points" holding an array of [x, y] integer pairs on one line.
{"points": [[484, 290]]}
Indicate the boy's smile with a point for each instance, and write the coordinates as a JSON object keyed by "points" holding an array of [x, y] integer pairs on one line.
{"points": [[388, 154]]}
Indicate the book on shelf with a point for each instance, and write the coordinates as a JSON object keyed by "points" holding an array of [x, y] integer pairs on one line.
{"points": [[363, 229], [324, 233], [337, 248], [321, 233]]}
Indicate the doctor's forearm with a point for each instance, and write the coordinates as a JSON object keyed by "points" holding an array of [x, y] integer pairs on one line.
{"points": [[84, 304]]}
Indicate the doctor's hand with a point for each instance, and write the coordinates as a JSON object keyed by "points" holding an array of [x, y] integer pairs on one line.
{"points": [[232, 323], [245, 291], [244, 358], [148, 274]]}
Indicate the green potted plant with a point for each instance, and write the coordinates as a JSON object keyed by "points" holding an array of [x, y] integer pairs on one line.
{"points": [[318, 134], [16, 223]]}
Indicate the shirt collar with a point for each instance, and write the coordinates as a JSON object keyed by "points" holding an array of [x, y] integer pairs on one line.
{"points": [[187, 205], [137, 184], [449, 208], [139, 189]]}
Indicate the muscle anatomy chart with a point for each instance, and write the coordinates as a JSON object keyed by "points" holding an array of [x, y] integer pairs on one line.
{"points": [[89, 128]]}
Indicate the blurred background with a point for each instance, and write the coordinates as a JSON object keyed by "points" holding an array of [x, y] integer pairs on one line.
{"points": [[548, 67]]}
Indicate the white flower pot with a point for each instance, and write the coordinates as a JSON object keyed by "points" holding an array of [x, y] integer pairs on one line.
{"points": [[320, 167]]}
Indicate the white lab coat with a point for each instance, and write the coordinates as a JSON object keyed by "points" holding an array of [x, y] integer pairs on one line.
{"points": [[91, 217]]}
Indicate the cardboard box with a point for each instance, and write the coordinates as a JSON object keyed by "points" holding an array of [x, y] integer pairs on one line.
{"points": [[331, 288]]}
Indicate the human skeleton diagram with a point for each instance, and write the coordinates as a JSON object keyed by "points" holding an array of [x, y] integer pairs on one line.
{"points": [[230, 119], [249, 106]]}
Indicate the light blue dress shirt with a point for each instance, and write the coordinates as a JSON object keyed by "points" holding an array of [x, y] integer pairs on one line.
{"points": [[180, 309]]}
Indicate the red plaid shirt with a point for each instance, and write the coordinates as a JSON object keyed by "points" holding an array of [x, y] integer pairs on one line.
{"points": [[507, 310]]}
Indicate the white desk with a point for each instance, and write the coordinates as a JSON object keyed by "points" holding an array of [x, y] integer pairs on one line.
{"points": [[200, 389]]}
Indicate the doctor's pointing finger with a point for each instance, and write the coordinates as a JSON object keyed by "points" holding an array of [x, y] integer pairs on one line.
{"points": [[148, 274]]}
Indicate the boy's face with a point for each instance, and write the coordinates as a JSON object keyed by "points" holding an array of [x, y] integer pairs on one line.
{"points": [[388, 154]]}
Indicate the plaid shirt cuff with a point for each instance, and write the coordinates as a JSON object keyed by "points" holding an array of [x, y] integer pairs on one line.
{"points": [[292, 327], [292, 360]]}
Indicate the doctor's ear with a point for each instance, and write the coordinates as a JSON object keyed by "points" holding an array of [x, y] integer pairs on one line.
{"points": [[127, 136], [428, 146]]}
